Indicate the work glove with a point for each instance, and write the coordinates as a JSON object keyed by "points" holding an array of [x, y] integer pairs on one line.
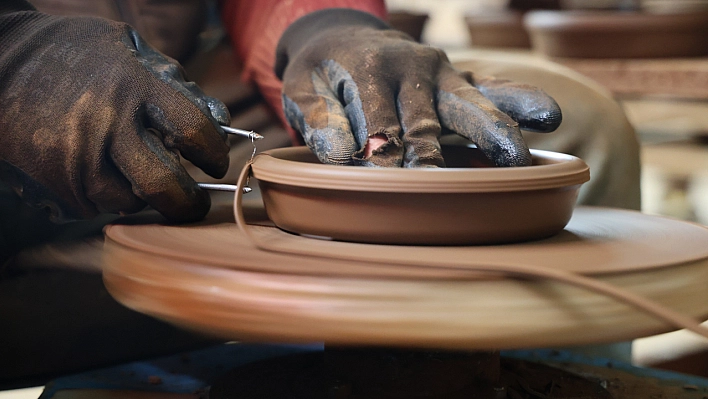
{"points": [[94, 120], [361, 93]]}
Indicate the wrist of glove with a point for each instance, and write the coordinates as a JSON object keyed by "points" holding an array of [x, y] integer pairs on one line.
{"points": [[8, 6], [95, 120], [361, 93]]}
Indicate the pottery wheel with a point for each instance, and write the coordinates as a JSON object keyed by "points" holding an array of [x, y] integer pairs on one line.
{"points": [[210, 277]]}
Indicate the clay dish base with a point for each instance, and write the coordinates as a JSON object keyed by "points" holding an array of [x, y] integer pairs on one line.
{"points": [[457, 205], [209, 277]]}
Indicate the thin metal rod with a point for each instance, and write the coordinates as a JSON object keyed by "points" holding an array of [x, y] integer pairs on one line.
{"points": [[240, 132], [222, 187]]}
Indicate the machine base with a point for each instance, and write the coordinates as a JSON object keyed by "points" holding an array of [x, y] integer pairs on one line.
{"points": [[392, 374]]}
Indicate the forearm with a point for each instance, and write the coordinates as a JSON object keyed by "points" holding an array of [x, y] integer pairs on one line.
{"points": [[256, 27]]}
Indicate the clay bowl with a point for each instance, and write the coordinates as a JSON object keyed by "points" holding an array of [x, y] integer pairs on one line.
{"points": [[498, 29], [458, 205], [616, 34]]}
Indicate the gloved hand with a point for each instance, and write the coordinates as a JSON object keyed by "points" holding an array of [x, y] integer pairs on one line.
{"points": [[94, 120], [361, 93]]}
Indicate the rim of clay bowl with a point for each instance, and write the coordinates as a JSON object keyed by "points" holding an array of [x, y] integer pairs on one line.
{"points": [[294, 166]]}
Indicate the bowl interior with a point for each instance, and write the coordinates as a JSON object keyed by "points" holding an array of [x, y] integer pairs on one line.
{"points": [[468, 170], [457, 156]]}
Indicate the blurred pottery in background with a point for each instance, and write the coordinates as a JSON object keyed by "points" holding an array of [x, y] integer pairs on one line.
{"points": [[498, 29], [600, 4], [618, 34], [672, 6], [408, 22]]}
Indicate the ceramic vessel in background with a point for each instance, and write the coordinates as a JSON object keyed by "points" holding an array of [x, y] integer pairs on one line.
{"points": [[408, 22], [618, 34], [674, 6], [600, 4], [503, 28]]}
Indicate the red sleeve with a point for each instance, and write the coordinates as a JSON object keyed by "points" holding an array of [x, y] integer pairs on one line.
{"points": [[256, 26]]}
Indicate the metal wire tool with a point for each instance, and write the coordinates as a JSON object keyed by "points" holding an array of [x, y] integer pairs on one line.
{"points": [[232, 187]]}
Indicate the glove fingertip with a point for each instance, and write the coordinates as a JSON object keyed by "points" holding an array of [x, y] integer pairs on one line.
{"points": [[218, 111], [192, 210], [545, 121], [218, 163]]}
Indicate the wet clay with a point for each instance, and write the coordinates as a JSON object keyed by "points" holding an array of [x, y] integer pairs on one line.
{"points": [[210, 276], [420, 206]]}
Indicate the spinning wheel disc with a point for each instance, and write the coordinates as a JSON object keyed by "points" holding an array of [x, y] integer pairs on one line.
{"points": [[209, 277]]}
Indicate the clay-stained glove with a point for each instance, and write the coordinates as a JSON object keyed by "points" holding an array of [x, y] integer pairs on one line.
{"points": [[361, 93], [94, 120]]}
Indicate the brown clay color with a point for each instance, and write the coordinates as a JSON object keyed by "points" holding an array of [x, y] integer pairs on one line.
{"points": [[614, 34], [212, 277], [450, 206]]}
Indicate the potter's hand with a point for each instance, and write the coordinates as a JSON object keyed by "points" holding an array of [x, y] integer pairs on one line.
{"points": [[361, 93], [93, 120]]}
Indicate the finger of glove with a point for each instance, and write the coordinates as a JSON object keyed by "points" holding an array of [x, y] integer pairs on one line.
{"points": [[313, 110], [185, 128], [421, 128], [171, 72], [217, 109], [45, 195], [530, 106], [111, 192], [373, 115], [464, 110], [157, 177]]}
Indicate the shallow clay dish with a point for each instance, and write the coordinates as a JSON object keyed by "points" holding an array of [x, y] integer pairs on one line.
{"points": [[450, 206], [615, 34]]}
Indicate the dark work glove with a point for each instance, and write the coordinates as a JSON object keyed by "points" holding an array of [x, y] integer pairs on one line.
{"points": [[362, 93], [94, 120]]}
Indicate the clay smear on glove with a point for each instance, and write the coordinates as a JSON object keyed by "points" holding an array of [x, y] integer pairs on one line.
{"points": [[381, 150], [374, 143]]}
